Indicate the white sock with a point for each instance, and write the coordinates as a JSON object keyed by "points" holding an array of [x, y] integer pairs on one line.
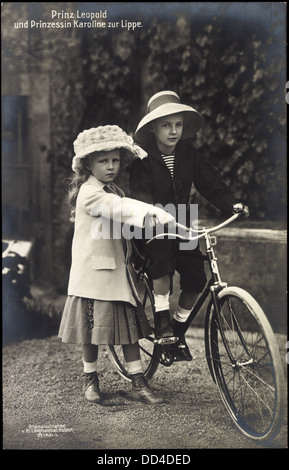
{"points": [[134, 367], [181, 314], [162, 302], [89, 367]]}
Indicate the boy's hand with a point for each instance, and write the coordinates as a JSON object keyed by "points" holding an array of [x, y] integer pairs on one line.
{"points": [[241, 208]]}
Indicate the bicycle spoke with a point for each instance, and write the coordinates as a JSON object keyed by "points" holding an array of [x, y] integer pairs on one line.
{"points": [[238, 383], [257, 395]]}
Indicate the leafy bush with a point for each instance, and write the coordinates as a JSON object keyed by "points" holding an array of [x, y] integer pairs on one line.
{"points": [[235, 84]]}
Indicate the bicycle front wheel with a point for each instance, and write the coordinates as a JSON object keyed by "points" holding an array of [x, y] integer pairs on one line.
{"points": [[246, 364], [149, 351]]}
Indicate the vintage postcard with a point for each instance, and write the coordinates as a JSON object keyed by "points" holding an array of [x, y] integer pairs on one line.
{"points": [[113, 341]]}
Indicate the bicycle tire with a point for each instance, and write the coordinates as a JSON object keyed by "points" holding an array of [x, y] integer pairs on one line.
{"points": [[251, 381], [149, 351]]}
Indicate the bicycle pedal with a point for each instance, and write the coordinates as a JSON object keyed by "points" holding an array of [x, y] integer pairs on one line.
{"points": [[165, 341]]}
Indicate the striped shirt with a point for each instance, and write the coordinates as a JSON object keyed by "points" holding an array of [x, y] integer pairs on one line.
{"points": [[169, 161]]}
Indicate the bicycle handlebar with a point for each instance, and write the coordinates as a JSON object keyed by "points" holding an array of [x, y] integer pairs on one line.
{"points": [[201, 233], [212, 229]]}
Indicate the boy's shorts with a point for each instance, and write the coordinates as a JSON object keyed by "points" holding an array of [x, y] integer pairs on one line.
{"points": [[166, 257]]}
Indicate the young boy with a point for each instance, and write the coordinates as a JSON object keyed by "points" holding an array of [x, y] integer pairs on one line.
{"points": [[165, 174]]}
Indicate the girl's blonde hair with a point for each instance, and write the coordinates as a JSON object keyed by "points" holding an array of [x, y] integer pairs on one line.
{"points": [[74, 183], [82, 173]]}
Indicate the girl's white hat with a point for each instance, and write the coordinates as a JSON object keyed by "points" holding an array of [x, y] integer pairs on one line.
{"points": [[163, 104], [101, 138]]}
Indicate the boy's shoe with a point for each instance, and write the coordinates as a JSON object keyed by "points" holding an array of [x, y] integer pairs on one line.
{"points": [[91, 387], [163, 325], [181, 351], [141, 392]]}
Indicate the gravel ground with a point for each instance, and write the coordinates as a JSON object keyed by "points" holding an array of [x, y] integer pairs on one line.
{"points": [[43, 406]]}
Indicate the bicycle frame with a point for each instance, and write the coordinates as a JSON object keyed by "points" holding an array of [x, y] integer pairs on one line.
{"points": [[241, 352], [213, 286]]}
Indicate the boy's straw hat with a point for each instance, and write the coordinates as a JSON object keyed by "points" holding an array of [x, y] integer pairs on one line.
{"points": [[163, 104], [102, 138]]}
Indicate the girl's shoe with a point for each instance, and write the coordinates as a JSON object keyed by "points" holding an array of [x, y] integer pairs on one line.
{"points": [[141, 392], [91, 387]]}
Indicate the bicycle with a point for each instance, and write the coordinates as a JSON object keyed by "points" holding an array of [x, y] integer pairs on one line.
{"points": [[241, 351]]}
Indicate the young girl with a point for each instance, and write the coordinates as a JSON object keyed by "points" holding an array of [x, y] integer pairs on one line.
{"points": [[101, 307]]}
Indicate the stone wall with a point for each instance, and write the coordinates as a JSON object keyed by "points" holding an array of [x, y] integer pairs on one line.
{"points": [[256, 265]]}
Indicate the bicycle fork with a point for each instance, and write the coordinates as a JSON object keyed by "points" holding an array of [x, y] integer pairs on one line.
{"points": [[215, 288]]}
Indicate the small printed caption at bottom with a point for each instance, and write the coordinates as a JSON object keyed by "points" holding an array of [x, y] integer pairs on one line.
{"points": [[46, 430]]}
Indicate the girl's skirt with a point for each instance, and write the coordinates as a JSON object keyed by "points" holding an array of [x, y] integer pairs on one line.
{"points": [[88, 321]]}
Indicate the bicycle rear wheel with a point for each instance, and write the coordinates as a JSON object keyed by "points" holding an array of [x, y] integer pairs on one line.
{"points": [[149, 351], [246, 364]]}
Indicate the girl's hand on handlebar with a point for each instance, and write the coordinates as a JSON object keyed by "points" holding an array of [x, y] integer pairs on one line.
{"points": [[157, 216], [240, 208]]}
